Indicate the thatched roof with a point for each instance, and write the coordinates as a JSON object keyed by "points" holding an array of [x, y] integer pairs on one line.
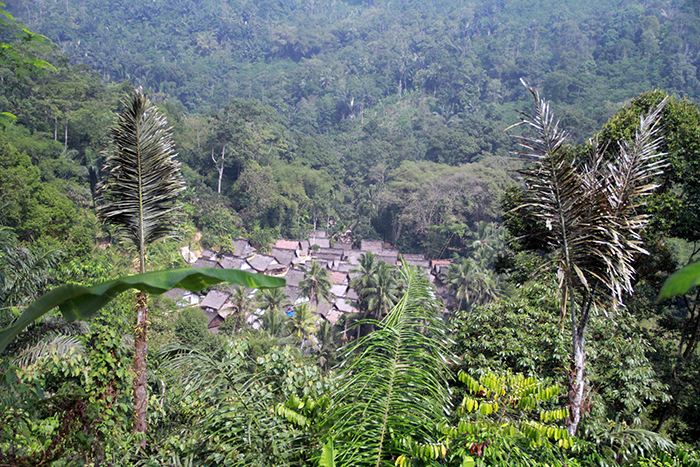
{"points": [[375, 246], [293, 277], [260, 262], [206, 263], [283, 256], [284, 244], [215, 300]]}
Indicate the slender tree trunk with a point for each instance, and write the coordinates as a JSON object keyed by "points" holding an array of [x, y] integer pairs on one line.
{"points": [[576, 380], [65, 136], [140, 381], [219, 164]]}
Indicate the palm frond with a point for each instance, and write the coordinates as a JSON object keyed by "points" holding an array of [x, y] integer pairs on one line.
{"points": [[55, 345], [590, 208], [143, 177], [393, 384]]}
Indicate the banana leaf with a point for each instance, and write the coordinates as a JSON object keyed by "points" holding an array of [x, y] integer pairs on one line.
{"points": [[681, 281], [80, 302]]}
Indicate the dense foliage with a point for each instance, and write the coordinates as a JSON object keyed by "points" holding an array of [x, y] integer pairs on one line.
{"points": [[371, 120]]}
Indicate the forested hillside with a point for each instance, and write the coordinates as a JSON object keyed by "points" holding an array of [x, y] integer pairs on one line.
{"points": [[372, 128]]}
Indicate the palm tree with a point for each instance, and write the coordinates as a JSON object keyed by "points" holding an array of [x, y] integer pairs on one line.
{"points": [[366, 269], [316, 283], [241, 303], [591, 212], [24, 273], [383, 291], [272, 302], [392, 385], [139, 196], [274, 322], [304, 322], [461, 280]]}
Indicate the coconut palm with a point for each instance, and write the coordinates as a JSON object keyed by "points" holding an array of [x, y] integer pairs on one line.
{"points": [[383, 291], [316, 283], [139, 196], [304, 322], [590, 209], [461, 279], [241, 303], [24, 272], [272, 302], [275, 323], [272, 299], [367, 268]]}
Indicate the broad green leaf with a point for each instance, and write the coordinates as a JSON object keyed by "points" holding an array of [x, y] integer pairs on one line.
{"points": [[681, 281], [79, 302], [328, 455]]}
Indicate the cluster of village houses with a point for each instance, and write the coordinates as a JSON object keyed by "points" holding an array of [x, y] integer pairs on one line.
{"points": [[284, 261]]}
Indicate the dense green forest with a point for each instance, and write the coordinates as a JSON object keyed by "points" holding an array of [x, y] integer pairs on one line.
{"points": [[397, 121]]}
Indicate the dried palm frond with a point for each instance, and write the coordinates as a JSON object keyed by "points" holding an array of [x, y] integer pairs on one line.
{"points": [[143, 179]]}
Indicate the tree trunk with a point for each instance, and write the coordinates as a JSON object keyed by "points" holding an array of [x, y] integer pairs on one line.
{"points": [[140, 380], [65, 137], [220, 164], [576, 381]]}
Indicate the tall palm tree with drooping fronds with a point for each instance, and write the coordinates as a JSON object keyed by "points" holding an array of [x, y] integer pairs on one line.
{"points": [[393, 383], [591, 210], [383, 291], [316, 284], [461, 279], [304, 323], [272, 299], [241, 303], [139, 196], [367, 268]]}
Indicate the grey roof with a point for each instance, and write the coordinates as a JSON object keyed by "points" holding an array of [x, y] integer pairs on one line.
{"points": [[215, 299], [343, 245], [423, 264], [208, 254], [322, 308], [353, 256], [320, 233], [229, 262], [242, 248], [388, 259], [412, 257], [283, 256], [329, 256], [321, 242], [260, 262], [342, 266], [344, 305], [339, 290], [351, 294], [215, 322], [174, 293], [285, 244], [332, 251], [206, 263], [304, 245], [275, 268], [293, 277], [375, 246], [292, 293]]}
